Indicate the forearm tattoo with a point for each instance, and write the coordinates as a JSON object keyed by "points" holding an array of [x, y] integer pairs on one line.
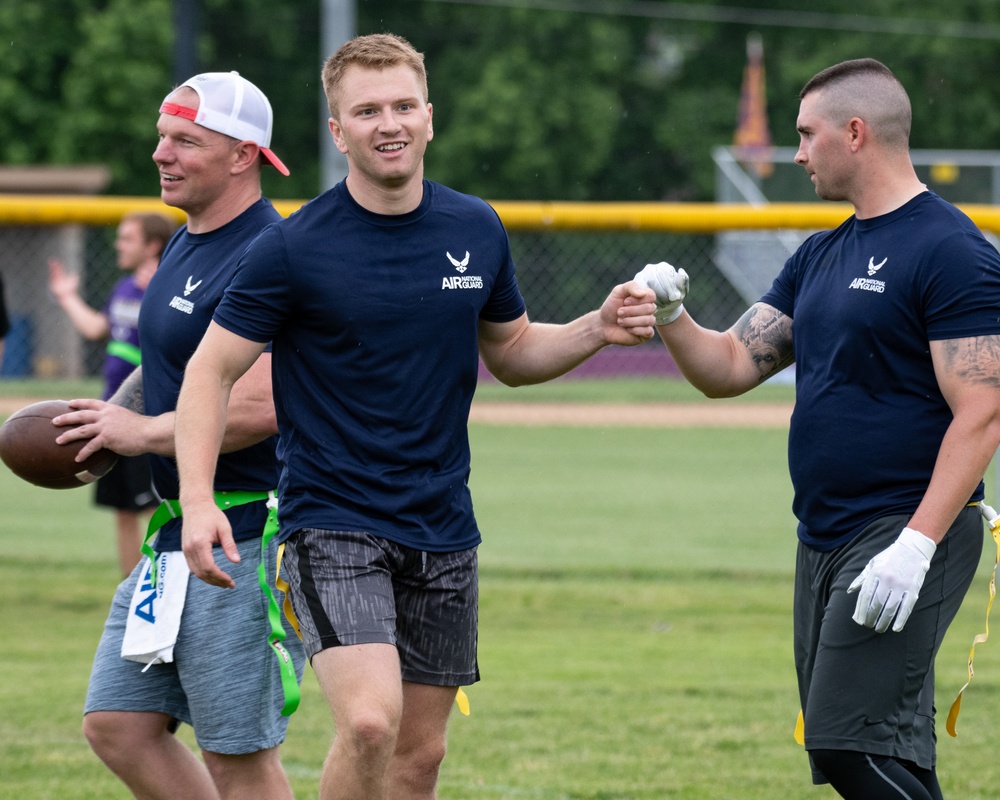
{"points": [[766, 333], [974, 360], [129, 394]]}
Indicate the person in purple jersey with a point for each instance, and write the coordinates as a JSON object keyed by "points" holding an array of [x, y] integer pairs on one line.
{"points": [[379, 296], [175, 650], [139, 242], [891, 321]]}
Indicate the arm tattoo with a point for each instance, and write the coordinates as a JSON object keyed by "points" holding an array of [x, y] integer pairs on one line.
{"points": [[129, 394], [766, 333], [974, 360]]}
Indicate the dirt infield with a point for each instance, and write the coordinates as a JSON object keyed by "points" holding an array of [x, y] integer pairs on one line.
{"points": [[718, 414], [659, 415]]}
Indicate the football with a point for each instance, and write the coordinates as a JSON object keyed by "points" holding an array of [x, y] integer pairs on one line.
{"points": [[28, 447]]}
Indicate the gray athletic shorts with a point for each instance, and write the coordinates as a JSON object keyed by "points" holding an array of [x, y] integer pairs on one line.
{"points": [[353, 588], [224, 680], [874, 692]]}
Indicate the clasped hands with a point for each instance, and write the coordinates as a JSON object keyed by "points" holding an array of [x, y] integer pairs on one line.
{"points": [[670, 286]]}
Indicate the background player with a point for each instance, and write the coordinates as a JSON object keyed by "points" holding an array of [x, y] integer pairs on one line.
{"points": [[140, 240]]}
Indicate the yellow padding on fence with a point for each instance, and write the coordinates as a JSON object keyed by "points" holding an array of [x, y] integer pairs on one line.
{"points": [[517, 215]]}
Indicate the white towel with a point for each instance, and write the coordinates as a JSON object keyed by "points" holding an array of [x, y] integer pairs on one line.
{"points": [[154, 615]]}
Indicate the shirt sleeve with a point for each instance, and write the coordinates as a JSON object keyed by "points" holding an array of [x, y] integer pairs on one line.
{"points": [[258, 299]]}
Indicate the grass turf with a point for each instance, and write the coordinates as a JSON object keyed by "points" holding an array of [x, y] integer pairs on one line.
{"points": [[635, 636]]}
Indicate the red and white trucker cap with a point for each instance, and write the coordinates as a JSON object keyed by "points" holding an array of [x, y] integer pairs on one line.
{"points": [[230, 104]]}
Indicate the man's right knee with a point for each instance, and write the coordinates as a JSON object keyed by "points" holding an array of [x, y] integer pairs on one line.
{"points": [[112, 732], [373, 732], [100, 730]]}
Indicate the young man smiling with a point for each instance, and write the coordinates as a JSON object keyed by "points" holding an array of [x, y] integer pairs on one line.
{"points": [[376, 352]]}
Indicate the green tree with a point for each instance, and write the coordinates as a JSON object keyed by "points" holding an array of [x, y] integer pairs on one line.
{"points": [[111, 87], [82, 80], [275, 44], [529, 103]]}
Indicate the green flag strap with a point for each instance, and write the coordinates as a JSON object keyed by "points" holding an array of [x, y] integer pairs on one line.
{"points": [[289, 680], [171, 509], [125, 351]]}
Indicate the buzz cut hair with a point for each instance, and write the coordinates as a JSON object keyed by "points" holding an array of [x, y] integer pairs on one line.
{"points": [[867, 89], [375, 51]]}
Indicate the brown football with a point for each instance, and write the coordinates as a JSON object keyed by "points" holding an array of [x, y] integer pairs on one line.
{"points": [[28, 447]]}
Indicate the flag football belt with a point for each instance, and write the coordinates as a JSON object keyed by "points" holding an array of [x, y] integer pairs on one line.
{"points": [[171, 509], [128, 353], [993, 520]]}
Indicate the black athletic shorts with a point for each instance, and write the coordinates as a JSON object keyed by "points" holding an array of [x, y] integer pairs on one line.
{"points": [[874, 692], [128, 487]]}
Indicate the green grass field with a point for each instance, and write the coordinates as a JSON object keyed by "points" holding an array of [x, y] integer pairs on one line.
{"points": [[635, 637]]}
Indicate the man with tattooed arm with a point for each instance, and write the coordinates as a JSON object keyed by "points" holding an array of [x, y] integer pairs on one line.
{"points": [[893, 323]]}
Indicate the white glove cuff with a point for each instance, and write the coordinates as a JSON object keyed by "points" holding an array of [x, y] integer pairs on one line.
{"points": [[926, 547], [667, 315]]}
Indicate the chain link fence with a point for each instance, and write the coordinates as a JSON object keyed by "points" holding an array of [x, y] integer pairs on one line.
{"points": [[568, 257], [562, 275]]}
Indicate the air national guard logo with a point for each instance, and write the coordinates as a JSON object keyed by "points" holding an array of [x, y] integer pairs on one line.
{"points": [[461, 281], [870, 284]]}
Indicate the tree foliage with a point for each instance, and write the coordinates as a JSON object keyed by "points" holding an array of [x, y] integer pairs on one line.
{"points": [[529, 103]]}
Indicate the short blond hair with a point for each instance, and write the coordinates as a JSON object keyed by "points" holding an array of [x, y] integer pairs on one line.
{"points": [[375, 51]]}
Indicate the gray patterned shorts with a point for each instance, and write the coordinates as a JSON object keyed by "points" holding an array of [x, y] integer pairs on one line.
{"points": [[352, 588]]}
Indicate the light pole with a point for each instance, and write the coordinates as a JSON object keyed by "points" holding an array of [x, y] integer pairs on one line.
{"points": [[339, 25]]}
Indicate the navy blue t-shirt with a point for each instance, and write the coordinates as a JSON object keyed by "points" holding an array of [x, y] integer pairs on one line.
{"points": [[374, 323], [181, 298], [866, 299]]}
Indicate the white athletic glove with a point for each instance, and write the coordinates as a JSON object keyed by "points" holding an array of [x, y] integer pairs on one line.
{"points": [[670, 286], [891, 582]]}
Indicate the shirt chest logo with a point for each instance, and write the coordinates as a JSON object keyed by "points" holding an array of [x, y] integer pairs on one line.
{"points": [[870, 284], [461, 281], [462, 265], [180, 303]]}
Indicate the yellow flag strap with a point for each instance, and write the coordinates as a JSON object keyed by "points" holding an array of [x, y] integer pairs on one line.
{"points": [[282, 585], [799, 735], [462, 699], [993, 520]]}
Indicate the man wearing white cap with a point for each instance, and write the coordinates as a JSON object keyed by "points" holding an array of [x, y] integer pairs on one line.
{"points": [[175, 650]]}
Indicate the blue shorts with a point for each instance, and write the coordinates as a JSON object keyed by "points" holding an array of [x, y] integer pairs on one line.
{"points": [[353, 588], [224, 680]]}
